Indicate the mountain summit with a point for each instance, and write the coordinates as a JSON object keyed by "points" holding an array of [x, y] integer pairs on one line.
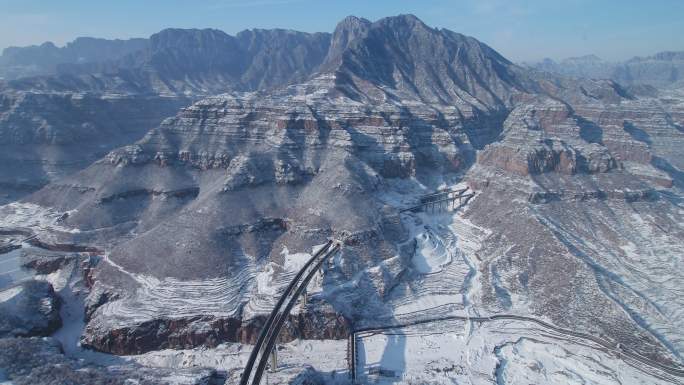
{"points": [[437, 66]]}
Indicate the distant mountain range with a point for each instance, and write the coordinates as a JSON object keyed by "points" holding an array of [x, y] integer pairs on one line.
{"points": [[45, 59], [664, 69], [207, 60], [173, 61]]}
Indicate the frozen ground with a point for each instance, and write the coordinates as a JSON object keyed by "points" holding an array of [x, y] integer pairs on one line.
{"points": [[25, 216], [326, 357], [445, 269], [248, 291], [172, 298], [432, 254], [35, 217], [497, 352], [269, 283]]}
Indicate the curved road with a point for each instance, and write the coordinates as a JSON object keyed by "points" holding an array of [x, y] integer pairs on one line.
{"points": [[269, 333]]}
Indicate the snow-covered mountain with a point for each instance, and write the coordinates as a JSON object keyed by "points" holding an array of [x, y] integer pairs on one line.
{"points": [[171, 249], [664, 69], [45, 59]]}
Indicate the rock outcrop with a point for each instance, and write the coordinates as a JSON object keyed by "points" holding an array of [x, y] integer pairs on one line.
{"points": [[46, 136], [41, 361], [29, 309], [78, 110]]}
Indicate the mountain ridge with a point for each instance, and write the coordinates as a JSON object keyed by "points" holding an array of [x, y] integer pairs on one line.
{"points": [[46, 58], [574, 181], [662, 69]]}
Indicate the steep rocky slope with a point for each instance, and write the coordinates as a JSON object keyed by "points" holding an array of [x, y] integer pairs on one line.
{"points": [[603, 213], [576, 220], [45, 136], [29, 309], [57, 124], [41, 360], [409, 60]]}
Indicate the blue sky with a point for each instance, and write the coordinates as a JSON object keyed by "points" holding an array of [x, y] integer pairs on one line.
{"points": [[519, 29]]}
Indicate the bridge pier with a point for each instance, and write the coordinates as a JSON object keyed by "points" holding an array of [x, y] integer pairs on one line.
{"points": [[352, 356], [273, 365], [440, 201], [264, 352]]}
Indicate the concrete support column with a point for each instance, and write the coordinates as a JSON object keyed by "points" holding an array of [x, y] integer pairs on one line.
{"points": [[273, 365]]}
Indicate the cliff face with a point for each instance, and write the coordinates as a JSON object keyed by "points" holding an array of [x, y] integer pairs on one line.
{"points": [[73, 114], [405, 59], [207, 216], [46, 136]]}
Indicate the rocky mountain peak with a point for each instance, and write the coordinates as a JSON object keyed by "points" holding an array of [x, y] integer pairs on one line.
{"points": [[45, 59], [403, 22], [438, 66], [178, 38], [352, 21], [177, 53], [13, 51], [662, 69], [187, 43], [349, 29]]}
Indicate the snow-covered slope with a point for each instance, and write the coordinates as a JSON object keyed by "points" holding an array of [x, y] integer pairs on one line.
{"points": [[500, 352]]}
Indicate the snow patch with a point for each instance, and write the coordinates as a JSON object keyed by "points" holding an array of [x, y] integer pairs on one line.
{"points": [[501, 352], [325, 356], [431, 254], [294, 262], [11, 271], [264, 280], [33, 216], [10, 293]]}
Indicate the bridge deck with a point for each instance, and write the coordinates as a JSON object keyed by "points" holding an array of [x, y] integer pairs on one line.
{"points": [[269, 333], [439, 200]]}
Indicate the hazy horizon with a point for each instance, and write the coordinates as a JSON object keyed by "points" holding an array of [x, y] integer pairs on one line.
{"points": [[520, 30]]}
